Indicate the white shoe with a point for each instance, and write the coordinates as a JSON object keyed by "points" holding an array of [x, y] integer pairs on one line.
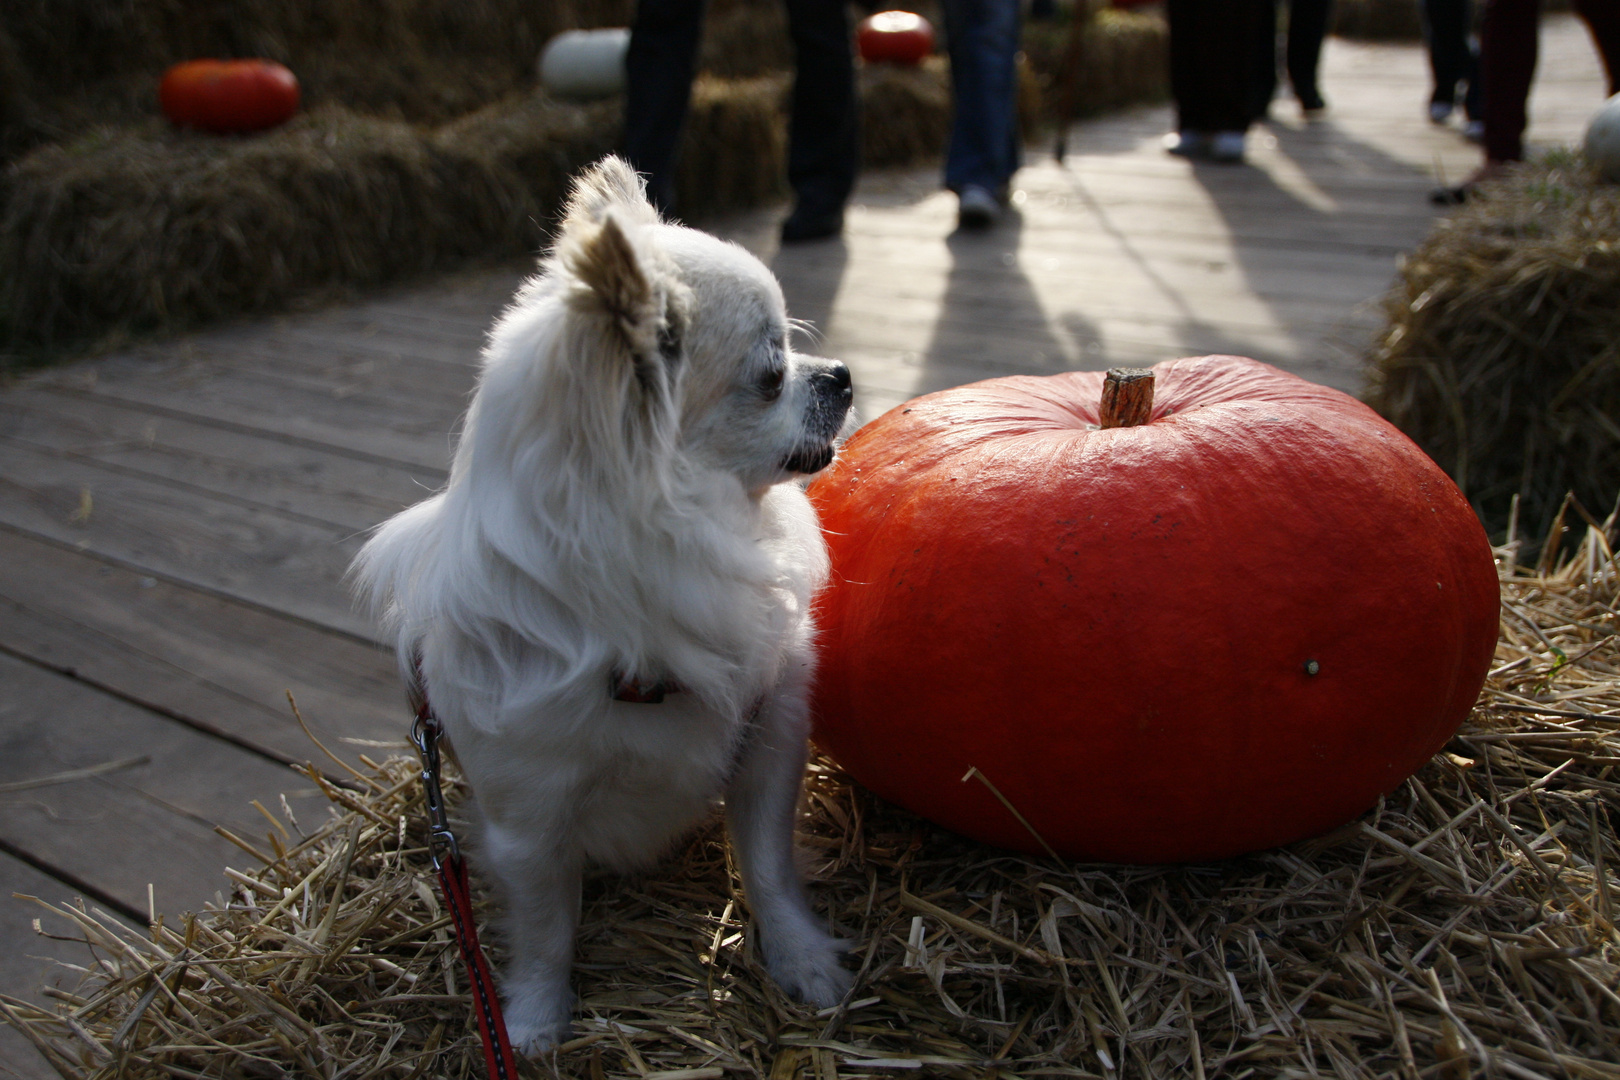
{"points": [[1474, 131], [977, 207], [1226, 146], [1440, 111], [1186, 143]]}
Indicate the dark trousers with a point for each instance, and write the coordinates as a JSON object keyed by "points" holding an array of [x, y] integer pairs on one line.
{"points": [[1302, 53], [1508, 45], [1307, 26], [823, 144], [1452, 57], [1212, 49]]}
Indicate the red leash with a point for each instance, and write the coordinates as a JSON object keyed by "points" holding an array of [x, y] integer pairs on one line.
{"points": [[426, 732]]}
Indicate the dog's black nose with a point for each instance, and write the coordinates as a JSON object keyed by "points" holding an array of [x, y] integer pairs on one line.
{"points": [[834, 381]]}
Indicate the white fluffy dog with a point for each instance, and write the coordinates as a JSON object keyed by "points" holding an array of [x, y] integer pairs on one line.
{"points": [[619, 526]]}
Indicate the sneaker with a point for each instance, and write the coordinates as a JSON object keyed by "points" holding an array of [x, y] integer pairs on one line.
{"points": [[1187, 143], [977, 208], [1474, 131], [1440, 111], [1226, 146]]}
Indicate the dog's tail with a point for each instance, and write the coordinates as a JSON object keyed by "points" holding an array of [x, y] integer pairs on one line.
{"points": [[389, 576]]}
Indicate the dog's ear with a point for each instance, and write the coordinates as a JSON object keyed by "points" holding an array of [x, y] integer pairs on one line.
{"points": [[610, 184], [637, 295], [612, 280]]}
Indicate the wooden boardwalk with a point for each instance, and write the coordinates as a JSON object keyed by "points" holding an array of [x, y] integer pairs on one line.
{"points": [[175, 521]]}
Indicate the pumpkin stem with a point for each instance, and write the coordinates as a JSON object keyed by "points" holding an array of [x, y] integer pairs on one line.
{"points": [[1127, 397]]}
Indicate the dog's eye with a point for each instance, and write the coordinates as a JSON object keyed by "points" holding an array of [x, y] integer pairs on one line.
{"points": [[770, 383]]}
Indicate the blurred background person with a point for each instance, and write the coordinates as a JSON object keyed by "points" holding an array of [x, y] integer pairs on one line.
{"points": [[983, 39], [1454, 60], [824, 134], [1509, 42], [1302, 55], [1212, 50]]}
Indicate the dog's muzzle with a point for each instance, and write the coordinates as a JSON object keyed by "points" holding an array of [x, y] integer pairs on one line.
{"points": [[831, 393]]}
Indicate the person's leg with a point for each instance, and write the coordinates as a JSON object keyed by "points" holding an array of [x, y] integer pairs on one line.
{"points": [[1307, 26], [1211, 46], [1507, 62], [983, 40], [1603, 19], [658, 86], [1185, 23], [1445, 32], [1263, 59], [824, 137]]}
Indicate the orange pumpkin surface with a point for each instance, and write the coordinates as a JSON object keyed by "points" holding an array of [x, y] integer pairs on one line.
{"points": [[225, 96], [1229, 628]]}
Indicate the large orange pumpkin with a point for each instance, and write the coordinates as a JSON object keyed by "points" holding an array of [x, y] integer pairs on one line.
{"points": [[227, 96], [1228, 628]]}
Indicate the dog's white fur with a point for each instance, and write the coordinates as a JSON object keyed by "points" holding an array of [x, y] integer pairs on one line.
{"points": [[619, 502]]}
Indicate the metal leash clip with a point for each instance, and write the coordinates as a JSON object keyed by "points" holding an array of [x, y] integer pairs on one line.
{"points": [[425, 733]]}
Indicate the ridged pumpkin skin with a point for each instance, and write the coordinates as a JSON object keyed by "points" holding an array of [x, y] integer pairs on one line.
{"points": [[1118, 628]]}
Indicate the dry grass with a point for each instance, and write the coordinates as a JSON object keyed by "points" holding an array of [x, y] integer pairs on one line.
{"points": [[1463, 927], [1501, 356]]}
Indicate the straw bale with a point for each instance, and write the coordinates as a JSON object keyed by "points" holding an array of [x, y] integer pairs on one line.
{"points": [[1464, 926], [1501, 352], [70, 65], [1123, 59], [1378, 20], [745, 39], [147, 227], [905, 112]]}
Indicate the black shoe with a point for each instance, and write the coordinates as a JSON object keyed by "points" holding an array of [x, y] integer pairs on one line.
{"points": [[811, 224], [1451, 196]]}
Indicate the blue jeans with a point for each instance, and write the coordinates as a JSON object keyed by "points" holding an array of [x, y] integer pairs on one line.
{"points": [[982, 37]]}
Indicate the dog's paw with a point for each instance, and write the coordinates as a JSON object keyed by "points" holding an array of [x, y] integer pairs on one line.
{"points": [[537, 1020], [811, 971]]}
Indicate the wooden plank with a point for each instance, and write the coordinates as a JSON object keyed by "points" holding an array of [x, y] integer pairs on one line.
{"points": [[311, 482], [148, 824], [261, 556], [404, 429], [220, 665]]}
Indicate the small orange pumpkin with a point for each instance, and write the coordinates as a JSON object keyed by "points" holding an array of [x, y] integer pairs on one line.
{"points": [[227, 96], [895, 37], [1226, 628]]}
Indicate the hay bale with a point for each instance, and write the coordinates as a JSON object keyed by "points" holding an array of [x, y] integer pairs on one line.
{"points": [[905, 112], [1465, 926], [745, 39], [1123, 59], [1501, 355], [71, 65], [734, 149], [1378, 20], [146, 227]]}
